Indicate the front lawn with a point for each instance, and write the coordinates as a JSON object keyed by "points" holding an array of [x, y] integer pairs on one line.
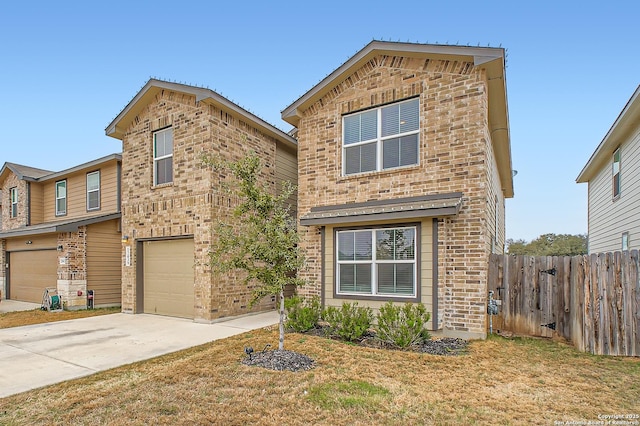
{"points": [[38, 316], [497, 381]]}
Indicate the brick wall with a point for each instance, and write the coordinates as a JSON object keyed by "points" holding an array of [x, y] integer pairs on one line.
{"points": [[8, 222], [454, 156], [195, 201], [72, 270]]}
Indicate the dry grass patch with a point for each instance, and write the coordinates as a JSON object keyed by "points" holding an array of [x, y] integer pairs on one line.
{"points": [[38, 316], [499, 381]]}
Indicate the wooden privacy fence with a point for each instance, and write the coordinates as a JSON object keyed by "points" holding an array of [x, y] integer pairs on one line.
{"points": [[591, 300]]}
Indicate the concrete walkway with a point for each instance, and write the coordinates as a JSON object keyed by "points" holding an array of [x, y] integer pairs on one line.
{"points": [[15, 305], [39, 355]]}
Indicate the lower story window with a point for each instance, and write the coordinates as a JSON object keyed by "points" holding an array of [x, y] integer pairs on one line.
{"points": [[377, 262]]}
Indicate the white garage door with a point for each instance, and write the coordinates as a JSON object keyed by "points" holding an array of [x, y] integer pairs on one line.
{"points": [[169, 278]]}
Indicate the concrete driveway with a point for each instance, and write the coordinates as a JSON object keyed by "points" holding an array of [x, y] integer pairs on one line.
{"points": [[39, 355]]}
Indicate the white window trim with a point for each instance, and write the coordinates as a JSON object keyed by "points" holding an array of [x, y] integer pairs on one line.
{"points": [[613, 176], [373, 262], [89, 208], [60, 212], [625, 239], [13, 201], [379, 140], [157, 159]]}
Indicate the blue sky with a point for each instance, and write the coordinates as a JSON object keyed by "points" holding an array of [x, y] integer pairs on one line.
{"points": [[68, 68]]}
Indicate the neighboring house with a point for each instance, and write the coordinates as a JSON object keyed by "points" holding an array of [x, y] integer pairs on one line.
{"points": [[404, 164], [62, 230], [613, 177], [172, 202]]}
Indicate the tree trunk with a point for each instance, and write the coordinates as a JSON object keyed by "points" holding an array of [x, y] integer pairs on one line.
{"points": [[281, 342]]}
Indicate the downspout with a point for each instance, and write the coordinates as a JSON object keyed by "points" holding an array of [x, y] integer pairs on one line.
{"points": [[322, 268], [434, 268], [28, 200], [119, 186]]}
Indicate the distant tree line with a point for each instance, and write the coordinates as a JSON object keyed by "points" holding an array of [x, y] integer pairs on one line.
{"points": [[550, 245]]}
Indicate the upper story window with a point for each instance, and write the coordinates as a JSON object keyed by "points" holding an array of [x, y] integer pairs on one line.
{"points": [[13, 198], [377, 262], [61, 198], [163, 156], [381, 138], [93, 190], [616, 173]]}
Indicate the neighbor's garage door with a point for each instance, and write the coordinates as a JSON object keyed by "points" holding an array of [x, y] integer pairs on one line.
{"points": [[168, 278], [30, 272]]}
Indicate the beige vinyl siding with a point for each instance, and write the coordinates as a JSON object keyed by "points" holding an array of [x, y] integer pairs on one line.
{"points": [[608, 219], [426, 268], [104, 263], [287, 169], [495, 211], [77, 193], [36, 200], [49, 241]]}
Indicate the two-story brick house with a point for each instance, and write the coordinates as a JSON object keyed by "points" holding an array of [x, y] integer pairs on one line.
{"points": [[171, 202], [404, 164], [62, 230]]}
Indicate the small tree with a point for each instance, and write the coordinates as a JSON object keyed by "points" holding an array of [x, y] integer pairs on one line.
{"points": [[263, 238]]}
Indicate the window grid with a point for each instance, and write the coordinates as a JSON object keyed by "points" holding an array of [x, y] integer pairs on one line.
{"points": [[374, 263], [380, 139], [61, 198]]}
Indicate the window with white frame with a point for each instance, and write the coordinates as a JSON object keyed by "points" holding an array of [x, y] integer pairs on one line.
{"points": [[377, 262], [13, 198], [381, 138], [61, 198], [625, 241], [616, 173], [93, 190], [163, 156]]}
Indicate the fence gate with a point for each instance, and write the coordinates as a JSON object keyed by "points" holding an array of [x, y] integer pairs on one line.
{"points": [[591, 300]]}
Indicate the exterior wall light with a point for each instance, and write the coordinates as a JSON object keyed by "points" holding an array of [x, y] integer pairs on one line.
{"points": [[28, 242], [125, 239]]}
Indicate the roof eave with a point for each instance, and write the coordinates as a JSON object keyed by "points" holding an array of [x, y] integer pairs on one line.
{"points": [[117, 128], [627, 120]]}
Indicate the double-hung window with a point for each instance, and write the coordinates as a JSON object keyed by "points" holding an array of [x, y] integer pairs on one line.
{"points": [[163, 156], [381, 138], [13, 198], [377, 262], [61, 198], [93, 190], [616, 173]]}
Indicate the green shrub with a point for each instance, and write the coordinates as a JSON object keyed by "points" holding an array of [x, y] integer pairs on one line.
{"points": [[302, 315], [349, 322], [403, 326]]}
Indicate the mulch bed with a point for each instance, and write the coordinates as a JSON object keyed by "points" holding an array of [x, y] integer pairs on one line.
{"points": [[293, 361]]}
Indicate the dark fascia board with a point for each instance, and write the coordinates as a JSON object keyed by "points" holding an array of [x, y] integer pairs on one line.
{"points": [[626, 122], [451, 207], [492, 59], [85, 166], [117, 127], [66, 226], [16, 169]]}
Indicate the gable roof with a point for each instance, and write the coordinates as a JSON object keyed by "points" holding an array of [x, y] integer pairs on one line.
{"points": [[22, 172], [627, 121], [32, 174], [118, 126], [491, 59]]}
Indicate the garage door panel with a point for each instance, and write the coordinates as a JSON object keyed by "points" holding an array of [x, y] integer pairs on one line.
{"points": [[169, 278], [30, 272]]}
